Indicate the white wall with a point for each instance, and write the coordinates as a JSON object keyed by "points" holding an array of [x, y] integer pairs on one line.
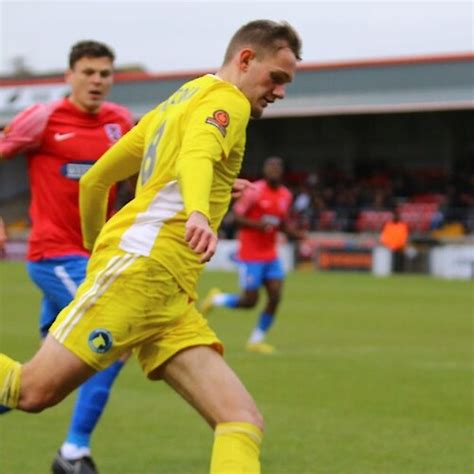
{"points": [[453, 261], [223, 258]]}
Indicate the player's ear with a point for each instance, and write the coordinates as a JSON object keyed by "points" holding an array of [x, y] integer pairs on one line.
{"points": [[245, 57]]}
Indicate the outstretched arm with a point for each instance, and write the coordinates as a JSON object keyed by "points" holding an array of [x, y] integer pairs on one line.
{"points": [[239, 187], [25, 132], [118, 163], [259, 224]]}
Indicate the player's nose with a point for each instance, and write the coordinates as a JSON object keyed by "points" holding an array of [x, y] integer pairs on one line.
{"points": [[96, 77], [279, 91]]}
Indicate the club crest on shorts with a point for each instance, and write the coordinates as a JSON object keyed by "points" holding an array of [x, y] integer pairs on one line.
{"points": [[113, 131], [100, 340], [220, 119]]}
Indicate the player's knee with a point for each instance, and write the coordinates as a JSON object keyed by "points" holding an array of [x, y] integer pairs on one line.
{"points": [[249, 301], [258, 420], [35, 400], [249, 414], [254, 417]]}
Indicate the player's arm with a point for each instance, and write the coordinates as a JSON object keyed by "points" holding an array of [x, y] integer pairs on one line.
{"points": [[241, 208], [120, 162], [195, 170], [25, 131], [289, 227], [239, 187], [206, 142], [259, 224]]}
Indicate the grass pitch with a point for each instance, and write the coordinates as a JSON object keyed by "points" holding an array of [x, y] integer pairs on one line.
{"points": [[373, 376]]}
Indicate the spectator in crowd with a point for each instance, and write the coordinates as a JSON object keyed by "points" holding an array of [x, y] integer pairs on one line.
{"points": [[394, 236], [3, 238], [303, 207]]}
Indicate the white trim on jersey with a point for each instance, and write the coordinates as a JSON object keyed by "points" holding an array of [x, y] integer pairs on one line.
{"points": [[140, 237]]}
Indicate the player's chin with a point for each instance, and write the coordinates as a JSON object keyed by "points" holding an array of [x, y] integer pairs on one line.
{"points": [[95, 99], [256, 112], [94, 104]]}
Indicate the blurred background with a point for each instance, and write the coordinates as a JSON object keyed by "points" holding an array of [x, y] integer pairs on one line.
{"points": [[379, 119]]}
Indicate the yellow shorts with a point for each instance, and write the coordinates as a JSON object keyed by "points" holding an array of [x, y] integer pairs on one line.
{"points": [[129, 302]]}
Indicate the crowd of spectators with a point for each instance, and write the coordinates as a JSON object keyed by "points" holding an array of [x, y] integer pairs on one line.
{"points": [[329, 200]]}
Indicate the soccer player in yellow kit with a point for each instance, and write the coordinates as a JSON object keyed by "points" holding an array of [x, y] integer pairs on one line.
{"points": [[140, 288]]}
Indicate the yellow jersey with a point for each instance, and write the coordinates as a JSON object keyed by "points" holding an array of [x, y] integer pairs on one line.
{"points": [[188, 151]]}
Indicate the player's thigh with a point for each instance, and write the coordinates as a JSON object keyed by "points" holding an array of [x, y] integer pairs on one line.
{"points": [[106, 317], [202, 377], [251, 275], [72, 272], [274, 271], [174, 326], [59, 279], [186, 352], [51, 375]]}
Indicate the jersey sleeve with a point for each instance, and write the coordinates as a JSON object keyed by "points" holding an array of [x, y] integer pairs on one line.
{"points": [[121, 161], [216, 124], [25, 132]]}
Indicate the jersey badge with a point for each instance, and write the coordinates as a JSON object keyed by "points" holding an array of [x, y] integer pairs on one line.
{"points": [[220, 119], [100, 340], [113, 131]]}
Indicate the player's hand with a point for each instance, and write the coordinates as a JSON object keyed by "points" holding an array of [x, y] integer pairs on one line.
{"points": [[269, 223], [239, 186], [200, 237]]}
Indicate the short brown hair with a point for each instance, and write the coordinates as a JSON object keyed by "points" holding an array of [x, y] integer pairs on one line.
{"points": [[89, 49], [265, 36]]}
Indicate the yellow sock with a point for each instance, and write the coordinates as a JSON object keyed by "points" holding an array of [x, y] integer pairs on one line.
{"points": [[10, 372], [236, 449]]}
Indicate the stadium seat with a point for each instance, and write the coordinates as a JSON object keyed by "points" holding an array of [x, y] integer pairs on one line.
{"points": [[372, 221]]}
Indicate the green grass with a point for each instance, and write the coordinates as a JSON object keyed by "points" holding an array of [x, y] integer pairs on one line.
{"points": [[373, 376]]}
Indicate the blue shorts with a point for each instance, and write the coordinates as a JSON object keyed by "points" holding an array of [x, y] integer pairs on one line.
{"points": [[58, 279], [252, 275]]}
